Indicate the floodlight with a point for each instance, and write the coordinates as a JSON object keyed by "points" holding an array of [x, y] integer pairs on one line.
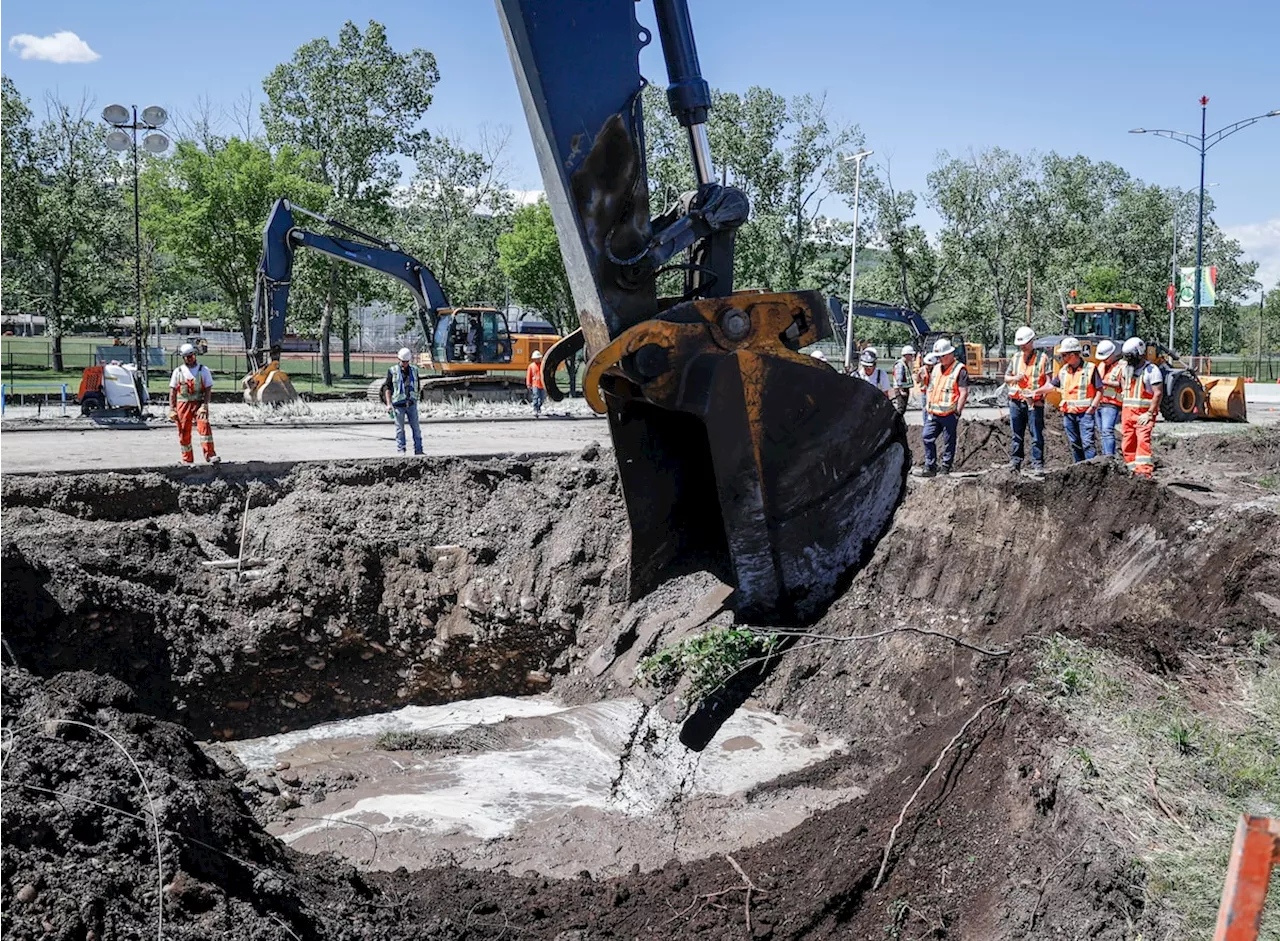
{"points": [[155, 143], [155, 116], [115, 114], [118, 140]]}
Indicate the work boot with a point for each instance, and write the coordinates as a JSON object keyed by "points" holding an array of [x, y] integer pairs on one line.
{"points": [[944, 469], [1037, 470], [1015, 466], [215, 460], [928, 471]]}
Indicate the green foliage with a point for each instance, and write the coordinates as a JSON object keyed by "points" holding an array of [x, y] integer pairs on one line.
{"points": [[708, 659], [207, 208], [529, 256], [1066, 668]]}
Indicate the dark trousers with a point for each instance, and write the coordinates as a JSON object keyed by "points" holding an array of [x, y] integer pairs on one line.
{"points": [[1020, 415], [946, 426], [1079, 429]]}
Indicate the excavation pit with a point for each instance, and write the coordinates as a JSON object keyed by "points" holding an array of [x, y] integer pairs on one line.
{"points": [[1096, 639]]}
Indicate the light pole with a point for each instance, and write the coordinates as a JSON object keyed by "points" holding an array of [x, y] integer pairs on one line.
{"points": [[1206, 141], [126, 119], [853, 255]]}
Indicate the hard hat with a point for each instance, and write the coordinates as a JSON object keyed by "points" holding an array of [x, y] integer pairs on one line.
{"points": [[931, 359], [186, 350], [868, 356], [1133, 346], [908, 350], [943, 347], [537, 354], [1069, 345], [819, 355], [1106, 349], [1024, 335], [404, 354]]}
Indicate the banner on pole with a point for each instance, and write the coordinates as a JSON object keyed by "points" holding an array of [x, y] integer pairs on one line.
{"points": [[1169, 298], [1208, 286]]}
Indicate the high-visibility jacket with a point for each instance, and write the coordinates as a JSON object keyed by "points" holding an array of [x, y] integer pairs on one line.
{"points": [[902, 375], [944, 389], [403, 393], [191, 383], [533, 376], [1134, 382], [1077, 388], [1111, 373], [1034, 371]]}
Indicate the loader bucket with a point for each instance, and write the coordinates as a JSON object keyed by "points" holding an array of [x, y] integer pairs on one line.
{"points": [[270, 385], [1224, 398], [754, 461]]}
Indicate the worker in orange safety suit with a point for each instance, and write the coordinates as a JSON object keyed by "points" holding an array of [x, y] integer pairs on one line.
{"points": [[533, 382], [1142, 384], [190, 391]]}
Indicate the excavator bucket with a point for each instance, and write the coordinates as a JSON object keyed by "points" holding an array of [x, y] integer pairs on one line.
{"points": [[269, 385], [1224, 398]]}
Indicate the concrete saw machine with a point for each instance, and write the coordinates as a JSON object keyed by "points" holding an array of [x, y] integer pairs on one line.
{"points": [[737, 452]]}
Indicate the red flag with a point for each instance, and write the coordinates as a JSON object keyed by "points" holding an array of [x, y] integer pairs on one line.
{"points": [[1168, 298]]}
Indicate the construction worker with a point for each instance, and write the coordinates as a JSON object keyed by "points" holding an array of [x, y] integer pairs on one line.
{"points": [[533, 382], [1081, 388], [190, 392], [904, 380], [819, 356], [948, 391], [1025, 378], [400, 393], [1110, 366], [1142, 387], [869, 372]]}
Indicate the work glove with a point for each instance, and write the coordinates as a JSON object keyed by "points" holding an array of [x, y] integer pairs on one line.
{"points": [[203, 413], [173, 414], [1146, 419], [391, 413]]}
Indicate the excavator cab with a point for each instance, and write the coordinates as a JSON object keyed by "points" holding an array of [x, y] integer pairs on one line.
{"points": [[474, 337]]}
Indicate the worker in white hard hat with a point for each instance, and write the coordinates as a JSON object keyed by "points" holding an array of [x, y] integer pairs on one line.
{"points": [[1142, 388], [401, 392], [944, 403], [870, 372], [1027, 382], [1110, 366], [904, 379], [533, 382], [190, 392], [1081, 387], [819, 356]]}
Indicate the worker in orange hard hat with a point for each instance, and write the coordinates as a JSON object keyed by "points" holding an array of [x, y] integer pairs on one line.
{"points": [[533, 382], [190, 392]]}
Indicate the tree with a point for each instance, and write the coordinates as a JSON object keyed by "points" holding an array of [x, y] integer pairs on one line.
{"points": [[65, 228], [357, 105], [454, 212], [530, 258], [206, 208], [915, 273]]}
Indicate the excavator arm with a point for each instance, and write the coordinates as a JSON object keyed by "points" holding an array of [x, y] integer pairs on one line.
{"points": [[281, 238], [875, 310], [737, 453]]}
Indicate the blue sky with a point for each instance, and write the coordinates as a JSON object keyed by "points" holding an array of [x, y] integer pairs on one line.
{"points": [[919, 78]]}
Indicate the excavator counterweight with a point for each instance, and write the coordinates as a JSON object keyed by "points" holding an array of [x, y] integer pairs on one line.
{"points": [[736, 452]]}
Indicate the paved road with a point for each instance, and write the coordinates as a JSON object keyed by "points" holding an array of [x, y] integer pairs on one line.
{"points": [[152, 447]]}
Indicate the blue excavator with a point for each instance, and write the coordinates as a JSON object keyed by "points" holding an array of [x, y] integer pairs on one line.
{"points": [[737, 452]]}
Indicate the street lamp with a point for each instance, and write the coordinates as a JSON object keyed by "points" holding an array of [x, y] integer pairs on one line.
{"points": [[1173, 269], [853, 254], [1206, 141], [124, 119]]}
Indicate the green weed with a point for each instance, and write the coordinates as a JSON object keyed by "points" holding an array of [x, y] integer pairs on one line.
{"points": [[1269, 481], [708, 660]]}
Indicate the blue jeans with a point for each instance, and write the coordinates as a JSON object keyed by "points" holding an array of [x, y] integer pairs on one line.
{"points": [[538, 396], [1079, 429], [1020, 415], [946, 426], [408, 413], [1108, 418]]}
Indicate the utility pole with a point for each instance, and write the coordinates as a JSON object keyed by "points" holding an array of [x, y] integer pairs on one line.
{"points": [[853, 256]]}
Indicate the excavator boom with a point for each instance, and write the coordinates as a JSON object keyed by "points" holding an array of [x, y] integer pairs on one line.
{"points": [[736, 452]]}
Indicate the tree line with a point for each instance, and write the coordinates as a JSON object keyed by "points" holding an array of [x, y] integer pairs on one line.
{"points": [[341, 130]]}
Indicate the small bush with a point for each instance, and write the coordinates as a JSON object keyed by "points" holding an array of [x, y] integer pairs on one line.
{"points": [[708, 659]]}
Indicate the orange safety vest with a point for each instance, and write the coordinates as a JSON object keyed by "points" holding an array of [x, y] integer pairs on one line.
{"points": [[1034, 371], [1135, 390], [533, 376], [944, 389], [1077, 388], [191, 390], [1112, 373]]}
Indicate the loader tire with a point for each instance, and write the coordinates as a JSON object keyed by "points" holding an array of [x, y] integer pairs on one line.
{"points": [[1184, 400]]}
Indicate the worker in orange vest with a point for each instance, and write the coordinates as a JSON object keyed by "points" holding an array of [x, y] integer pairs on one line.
{"points": [[944, 402], [1081, 389], [533, 382], [1142, 385], [1110, 366], [190, 392]]}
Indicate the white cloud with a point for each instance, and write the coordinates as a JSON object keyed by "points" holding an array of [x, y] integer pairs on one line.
{"points": [[61, 47], [1261, 243]]}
